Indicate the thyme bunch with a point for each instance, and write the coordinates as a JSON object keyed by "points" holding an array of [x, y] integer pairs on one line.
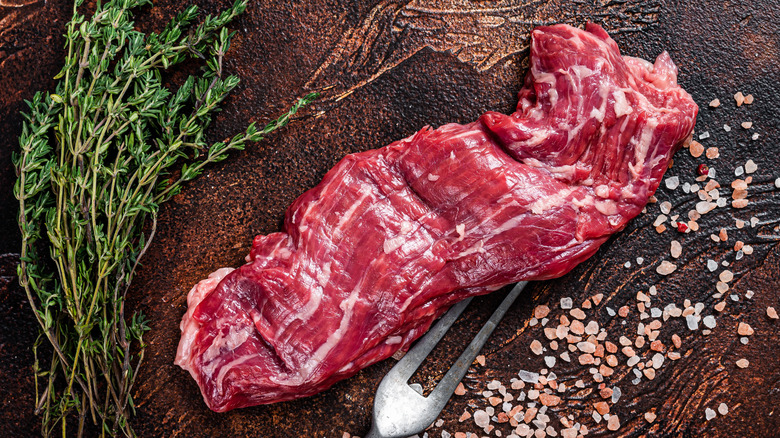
{"points": [[97, 158]]}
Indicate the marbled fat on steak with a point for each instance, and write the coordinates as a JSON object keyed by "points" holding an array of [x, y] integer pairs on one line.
{"points": [[392, 237]]}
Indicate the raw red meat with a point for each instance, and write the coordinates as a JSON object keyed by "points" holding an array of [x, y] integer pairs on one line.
{"points": [[392, 237]]}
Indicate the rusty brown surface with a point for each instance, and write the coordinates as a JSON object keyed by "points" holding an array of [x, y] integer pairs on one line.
{"points": [[396, 66]]}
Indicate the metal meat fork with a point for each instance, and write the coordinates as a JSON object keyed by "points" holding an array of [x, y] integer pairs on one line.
{"points": [[399, 410]]}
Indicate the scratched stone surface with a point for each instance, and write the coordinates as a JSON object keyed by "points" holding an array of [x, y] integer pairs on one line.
{"points": [[389, 68]]}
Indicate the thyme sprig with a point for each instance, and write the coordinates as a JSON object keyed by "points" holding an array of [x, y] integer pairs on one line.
{"points": [[97, 158]]}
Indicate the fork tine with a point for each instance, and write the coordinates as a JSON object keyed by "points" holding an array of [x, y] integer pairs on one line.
{"points": [[417, 354], [446, 386], [399, 411]]}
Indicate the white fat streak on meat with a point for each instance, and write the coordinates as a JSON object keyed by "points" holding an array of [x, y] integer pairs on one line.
{"points": [[551, 202], [347, 306], [189, 326], [564, 172], [478, 247], [214, 356], [622, 107], [461, 230], [324, 275], [432, 177], [396, 242], [643, 143], [427, 254], [346, 217], [606, 207], [225, 368], [392, 340], [602, 191]]}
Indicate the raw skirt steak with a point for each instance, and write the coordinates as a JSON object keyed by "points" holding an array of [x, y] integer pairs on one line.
{"points": [[392, 237]]}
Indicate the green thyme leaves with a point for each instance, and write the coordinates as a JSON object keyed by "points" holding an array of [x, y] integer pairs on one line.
{"points": [[97, 158]]}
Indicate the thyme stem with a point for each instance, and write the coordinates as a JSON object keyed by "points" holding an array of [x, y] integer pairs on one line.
{"points": [[97, 158]]}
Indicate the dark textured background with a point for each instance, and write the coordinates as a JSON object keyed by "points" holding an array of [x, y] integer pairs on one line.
{"points": [[396, 66]]}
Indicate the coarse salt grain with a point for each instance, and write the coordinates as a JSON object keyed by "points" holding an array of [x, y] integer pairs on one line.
{"points": [[676, 249], [672, 182], [771, 312], [750, 166], [739, 203], [739, 98], [714, 103], [696, 149], [746, 125], [743, 363], [703, 207], [541, 311], [704, 135], [712, 153], [528, 376], [709, 414], [481, 418], [709, 321], [666, 268], [727, 128], [744, 329], [613, 423], [723, 409]]}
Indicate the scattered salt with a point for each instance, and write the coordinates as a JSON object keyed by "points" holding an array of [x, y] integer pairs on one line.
{"points": [[658, 360], [692, 321], [703, 135], [709, 321], [723, 409], [481, 418], [666, 268], [676, 249], [616, 393], [703, 207], [640, 260], [750, 166], [712, 265], [727, 128], [672, 182], [755, 136], [709, 413], [528, 376]]}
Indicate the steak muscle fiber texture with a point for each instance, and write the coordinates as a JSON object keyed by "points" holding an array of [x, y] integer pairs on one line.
{"points": [[392, 237]]}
